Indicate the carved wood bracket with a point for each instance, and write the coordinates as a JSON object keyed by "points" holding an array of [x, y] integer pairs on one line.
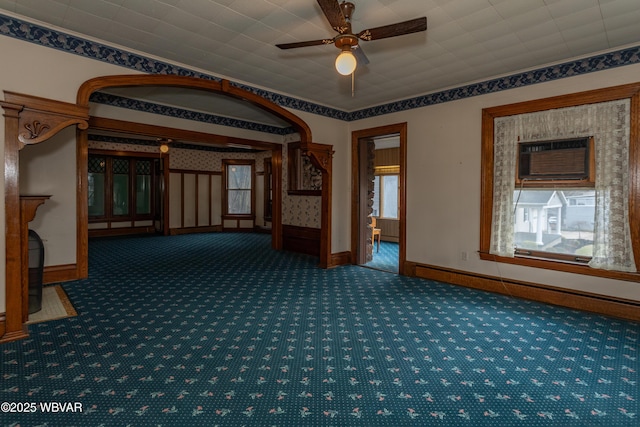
{"points": [[321, 155], [39, 118]]}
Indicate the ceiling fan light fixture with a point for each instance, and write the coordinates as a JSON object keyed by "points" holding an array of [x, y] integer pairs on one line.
{"points": [[346, 63]]}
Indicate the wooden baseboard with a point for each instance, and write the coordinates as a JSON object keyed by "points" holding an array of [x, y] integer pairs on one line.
{"points": [[121, 231], [13, 336], [601, 304], [341, 258], [59, 273], [189, 230], [304, 240]]}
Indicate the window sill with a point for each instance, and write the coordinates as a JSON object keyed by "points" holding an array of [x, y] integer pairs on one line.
{"points": [[565, 266]]}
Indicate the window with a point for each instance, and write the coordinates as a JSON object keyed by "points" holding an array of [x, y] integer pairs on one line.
{"points": [[386, 195], [238, 186], [548, 225], [96, 185], [119, 188], [587, 228]]}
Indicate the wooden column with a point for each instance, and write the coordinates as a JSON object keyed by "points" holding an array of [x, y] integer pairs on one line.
{"points": [[28, 120], [321, 156]]}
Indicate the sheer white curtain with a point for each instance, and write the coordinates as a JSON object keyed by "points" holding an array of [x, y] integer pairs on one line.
{"points": [[608, 123]]}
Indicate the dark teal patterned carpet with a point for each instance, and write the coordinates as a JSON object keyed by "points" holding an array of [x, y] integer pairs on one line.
{"points": [[220, 330], [385, 259]]}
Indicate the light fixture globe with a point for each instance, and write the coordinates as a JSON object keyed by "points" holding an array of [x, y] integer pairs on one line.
{"points": [[346, 62]]}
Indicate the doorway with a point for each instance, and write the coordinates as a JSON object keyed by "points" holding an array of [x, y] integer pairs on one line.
{"points": [[379, 195]]}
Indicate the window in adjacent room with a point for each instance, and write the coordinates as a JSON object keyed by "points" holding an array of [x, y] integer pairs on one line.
{"points": [[239, 187], [386, 195], [119, 188]]}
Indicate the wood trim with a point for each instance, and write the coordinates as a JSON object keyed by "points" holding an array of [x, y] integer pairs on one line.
{"points": [[195, 172], [608, 306], [340, 258], [182, 135], [122, 231], [225, 206], [321, 156], [27, 120], [223, 87], [3, 320], [356, 136], [82, 204], [629, 91], [304, 240], [59, 273], [189, 230], [276, 210]]}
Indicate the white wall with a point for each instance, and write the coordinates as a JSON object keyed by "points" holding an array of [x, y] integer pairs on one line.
{"points": [[443, 188]]}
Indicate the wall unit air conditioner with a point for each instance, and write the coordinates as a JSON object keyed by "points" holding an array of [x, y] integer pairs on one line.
{"points": [[564, 162]]}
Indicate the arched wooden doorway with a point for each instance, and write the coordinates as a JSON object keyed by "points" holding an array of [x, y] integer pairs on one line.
{"points": [[30, 120]]}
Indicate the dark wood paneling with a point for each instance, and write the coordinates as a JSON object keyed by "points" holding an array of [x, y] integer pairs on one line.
{"points": [[304, 240]]}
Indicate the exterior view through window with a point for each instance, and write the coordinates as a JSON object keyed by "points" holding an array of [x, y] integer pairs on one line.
{"points": [[554, 221]]}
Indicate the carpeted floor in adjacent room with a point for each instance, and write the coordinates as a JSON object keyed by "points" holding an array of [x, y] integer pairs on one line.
{"points": [[220, 330]]}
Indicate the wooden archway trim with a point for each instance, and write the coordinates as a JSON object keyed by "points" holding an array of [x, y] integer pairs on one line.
{"points": [[223, 87], [321, 156], [28, 120]]}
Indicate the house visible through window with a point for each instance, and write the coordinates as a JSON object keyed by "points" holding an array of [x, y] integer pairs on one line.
{"points": [[554, 222], [556, 184]]}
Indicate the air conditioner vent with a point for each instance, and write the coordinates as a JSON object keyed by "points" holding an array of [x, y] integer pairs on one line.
{"points": [[557, 160]]}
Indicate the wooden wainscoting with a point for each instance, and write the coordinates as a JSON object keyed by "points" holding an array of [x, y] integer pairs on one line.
{"points": [[305, 240], [609, 306], [390, 229]]}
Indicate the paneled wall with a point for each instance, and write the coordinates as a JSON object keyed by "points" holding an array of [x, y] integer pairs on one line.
{"points": [[195, 186], [390, 229], [195, 201]]}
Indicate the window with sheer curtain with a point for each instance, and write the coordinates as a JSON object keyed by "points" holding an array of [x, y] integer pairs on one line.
{"points": [[609, 124]]}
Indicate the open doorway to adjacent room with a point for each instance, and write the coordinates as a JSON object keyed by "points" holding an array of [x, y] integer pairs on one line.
{"points": [[379, 198]]}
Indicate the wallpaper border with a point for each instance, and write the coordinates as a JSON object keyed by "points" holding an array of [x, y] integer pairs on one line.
{"points": [[38, 34]]}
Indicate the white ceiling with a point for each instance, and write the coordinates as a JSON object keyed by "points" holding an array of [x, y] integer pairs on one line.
{"points": [[466, 40]]}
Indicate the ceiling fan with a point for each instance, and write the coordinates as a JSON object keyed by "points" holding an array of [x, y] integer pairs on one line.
{"points": [[339, 16]]}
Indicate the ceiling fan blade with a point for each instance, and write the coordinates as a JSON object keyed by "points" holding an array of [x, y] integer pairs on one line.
{"points": [[360, 56], [332, 11], [305, 44], [393, 30]]}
